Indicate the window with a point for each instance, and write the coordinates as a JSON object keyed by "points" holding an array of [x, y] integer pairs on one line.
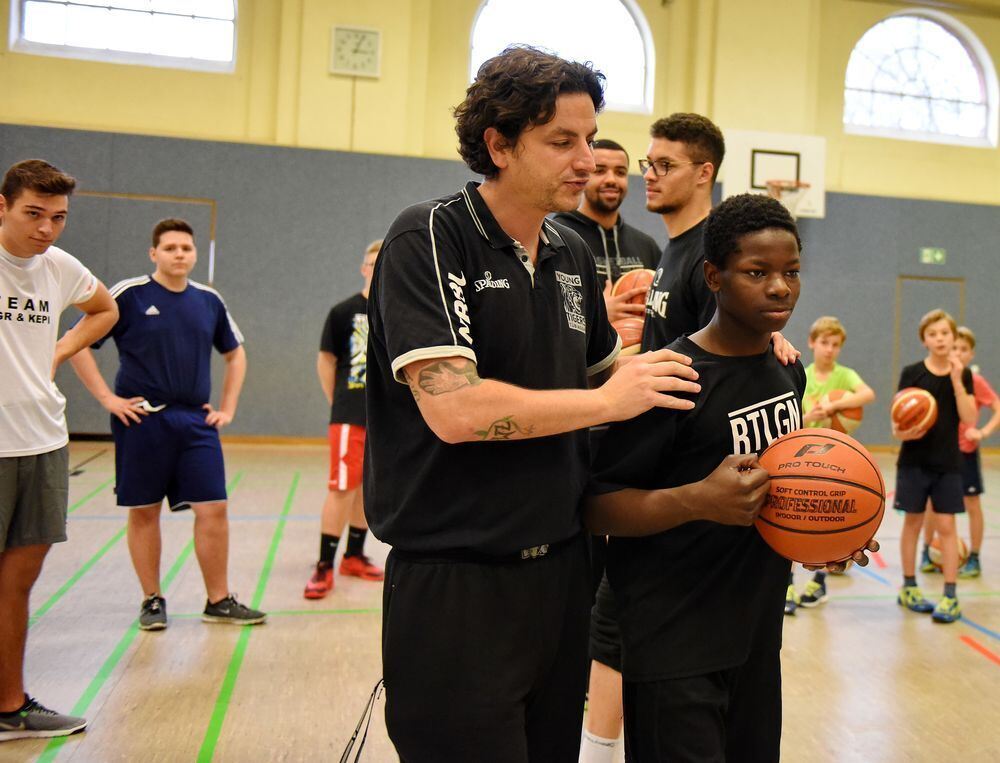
{"points": [[610, 33], [190, 34], [921, 76]]}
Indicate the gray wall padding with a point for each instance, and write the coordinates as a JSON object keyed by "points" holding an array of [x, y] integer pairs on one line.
{"points": [[292, 224]]}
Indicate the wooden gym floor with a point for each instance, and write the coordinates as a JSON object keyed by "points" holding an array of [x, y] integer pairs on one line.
{"points": [[864, 680]]}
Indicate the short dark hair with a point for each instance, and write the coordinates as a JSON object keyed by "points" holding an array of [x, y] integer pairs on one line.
{"points": [[739, 215], [610, 145], [36, 175], [516, 90], [169, 224], [701, 135]]}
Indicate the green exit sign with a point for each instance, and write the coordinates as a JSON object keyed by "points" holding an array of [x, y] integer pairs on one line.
{"points": [[933, 255]]}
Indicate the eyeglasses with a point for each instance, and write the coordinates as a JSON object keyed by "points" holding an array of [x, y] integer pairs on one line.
{"points": [[661, 166]]}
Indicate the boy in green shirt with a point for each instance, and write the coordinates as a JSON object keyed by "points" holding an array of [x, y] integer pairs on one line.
{"points": [[824, 375]]}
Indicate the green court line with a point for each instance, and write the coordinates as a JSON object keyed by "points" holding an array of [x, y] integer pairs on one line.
{"points": [[95, 686], [40, 612], [90, 495], [97, 683], [96, 557], [211, 740]]}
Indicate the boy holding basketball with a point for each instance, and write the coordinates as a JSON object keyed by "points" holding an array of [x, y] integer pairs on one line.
{"points": [[700, 647], [823, 376], [930, 462]]}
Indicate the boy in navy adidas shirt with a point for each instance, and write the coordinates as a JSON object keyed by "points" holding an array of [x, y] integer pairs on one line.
{"points": [[701, 601], [166, 432]]}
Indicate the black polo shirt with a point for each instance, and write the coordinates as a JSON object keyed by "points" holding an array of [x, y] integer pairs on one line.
{"points": [[450, 282]]}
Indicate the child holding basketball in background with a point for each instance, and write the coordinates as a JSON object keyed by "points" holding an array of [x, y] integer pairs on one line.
{"points": [[701, 667], [824, 376], [930, 462]]}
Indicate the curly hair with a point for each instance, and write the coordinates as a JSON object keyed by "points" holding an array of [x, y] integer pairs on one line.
{"points": [[514, 91], [700, 134], [35, 175], [739, 215]]}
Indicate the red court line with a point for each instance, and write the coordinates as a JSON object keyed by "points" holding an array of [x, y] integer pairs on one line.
{"points": [[989, 655], [879, 561]]}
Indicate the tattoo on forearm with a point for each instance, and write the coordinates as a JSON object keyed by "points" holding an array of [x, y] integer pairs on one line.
{"points": [[445, 376], [504, 429], [415, 391]]}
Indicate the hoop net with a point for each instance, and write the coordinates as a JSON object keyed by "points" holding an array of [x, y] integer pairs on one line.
{"points": [[789, 192]]}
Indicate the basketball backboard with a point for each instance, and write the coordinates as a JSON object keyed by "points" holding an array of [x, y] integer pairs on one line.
{"points": [[753, 158]]}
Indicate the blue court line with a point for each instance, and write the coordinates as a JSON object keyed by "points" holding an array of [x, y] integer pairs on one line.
{"points": [[965, 619], [980, 628], [871, 574]]}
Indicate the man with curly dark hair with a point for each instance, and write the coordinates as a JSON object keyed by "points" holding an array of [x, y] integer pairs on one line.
{"points": [[487, 332]]}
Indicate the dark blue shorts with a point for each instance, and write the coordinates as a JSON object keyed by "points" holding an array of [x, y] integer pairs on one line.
{"points": [[173, 453], [914, 485], [972, 473]]}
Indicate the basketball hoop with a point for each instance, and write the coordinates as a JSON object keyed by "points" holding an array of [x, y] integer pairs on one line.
{"points": [[789, 192]]}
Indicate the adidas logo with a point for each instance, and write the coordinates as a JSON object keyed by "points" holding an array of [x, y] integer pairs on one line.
{"points": [[151, 310]]}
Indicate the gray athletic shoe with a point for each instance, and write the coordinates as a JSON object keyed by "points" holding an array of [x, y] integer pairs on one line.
{"points": [[231, 612], [153, 616], [36, 721]]}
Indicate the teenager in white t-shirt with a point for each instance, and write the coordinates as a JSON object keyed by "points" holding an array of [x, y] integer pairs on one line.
{"points": [[37, 282]]}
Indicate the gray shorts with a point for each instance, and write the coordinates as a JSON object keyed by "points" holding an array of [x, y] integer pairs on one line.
{"points": [[34, 492]]}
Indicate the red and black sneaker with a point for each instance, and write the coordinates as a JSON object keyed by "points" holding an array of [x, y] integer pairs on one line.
{"points": [[321, 583], [360, 566]]}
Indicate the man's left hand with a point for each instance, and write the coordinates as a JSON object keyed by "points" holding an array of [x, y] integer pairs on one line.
{"points": [[784, 350]]}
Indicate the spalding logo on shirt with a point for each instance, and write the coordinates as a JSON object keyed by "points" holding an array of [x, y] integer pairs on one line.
{"points": [[459, 306], [756, 426]]}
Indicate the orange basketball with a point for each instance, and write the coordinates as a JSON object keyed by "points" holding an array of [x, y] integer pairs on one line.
{"points": [[914, 408], [633, 280], [826, 499], [630, 330], [934, 551], [847, 420]]}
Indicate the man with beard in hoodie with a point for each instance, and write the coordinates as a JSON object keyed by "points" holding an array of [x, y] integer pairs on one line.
{"points": [[617, 247]]}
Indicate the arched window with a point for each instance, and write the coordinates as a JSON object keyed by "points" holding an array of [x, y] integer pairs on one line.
{"points": [[188, 34], [921, 76], [611, 33]]}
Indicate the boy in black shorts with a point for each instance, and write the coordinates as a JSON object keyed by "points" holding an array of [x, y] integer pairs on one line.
{"points": [[930, 463], [700, 642]]}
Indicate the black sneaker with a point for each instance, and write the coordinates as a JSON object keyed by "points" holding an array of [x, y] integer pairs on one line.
{"points": [[33, 721], [153, 615], [232, 612]]}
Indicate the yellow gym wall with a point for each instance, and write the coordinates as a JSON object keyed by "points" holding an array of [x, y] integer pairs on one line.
{"points": [[773, 65]]}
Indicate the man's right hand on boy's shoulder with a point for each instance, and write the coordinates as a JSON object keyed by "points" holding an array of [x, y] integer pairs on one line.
{"points": [[732, 494], [647, 381]]}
